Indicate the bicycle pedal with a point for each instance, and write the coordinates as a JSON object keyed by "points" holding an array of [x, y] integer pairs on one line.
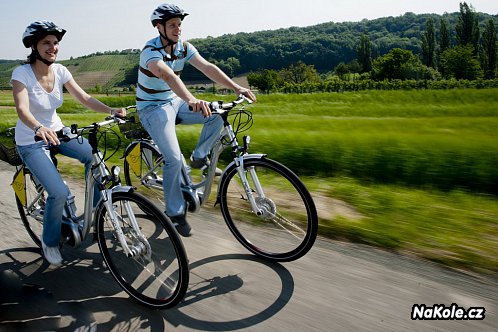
{"points": [[70, 233]]}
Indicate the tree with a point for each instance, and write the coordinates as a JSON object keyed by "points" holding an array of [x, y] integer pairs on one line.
{"points": [[429, 45], [300, 73], [365, 54], [230, 66], [394, 65], [459, 62], [266, 81], [233, 65], [489, 50], [467, 28], [444, 36], [341, 70], [354, 66], [444, 42]]}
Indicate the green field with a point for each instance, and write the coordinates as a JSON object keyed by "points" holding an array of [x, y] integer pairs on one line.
{"points": [[411, 171]]}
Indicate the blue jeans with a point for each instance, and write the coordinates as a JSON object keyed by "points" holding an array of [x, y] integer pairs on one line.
{"points": [[159, 121], [37, 159]]}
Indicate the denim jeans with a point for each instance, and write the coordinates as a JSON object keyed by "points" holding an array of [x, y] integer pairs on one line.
{"points": [[159, 121], [37, 159]]}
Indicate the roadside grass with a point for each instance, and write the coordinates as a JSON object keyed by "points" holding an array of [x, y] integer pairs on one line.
{"points": [[456, 228], [416, 170]]}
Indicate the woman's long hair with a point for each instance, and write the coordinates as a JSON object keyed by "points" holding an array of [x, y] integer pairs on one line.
{"points": [[32, 57]]}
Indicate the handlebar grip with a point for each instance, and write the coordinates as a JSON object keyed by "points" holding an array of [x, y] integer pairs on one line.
{"points": [[62, 134], [213, 106]]}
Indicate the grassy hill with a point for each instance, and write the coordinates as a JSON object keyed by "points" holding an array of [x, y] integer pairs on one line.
{"points": [[105, 70]]}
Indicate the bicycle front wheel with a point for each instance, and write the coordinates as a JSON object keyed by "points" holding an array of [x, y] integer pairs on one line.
{"points": [[156, 274], [287, 224]]}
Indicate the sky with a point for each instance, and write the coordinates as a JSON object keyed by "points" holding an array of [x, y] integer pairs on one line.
{"points": [[108, 25]]}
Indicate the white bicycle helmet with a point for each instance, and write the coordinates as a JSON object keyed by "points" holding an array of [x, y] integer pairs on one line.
{"points": [[40, 29], [165, 12]]}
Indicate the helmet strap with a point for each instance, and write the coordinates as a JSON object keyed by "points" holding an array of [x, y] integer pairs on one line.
{"points": [[169, 41], [45, 61]]}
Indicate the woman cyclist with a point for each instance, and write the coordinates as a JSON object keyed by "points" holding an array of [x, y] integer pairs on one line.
{"points": [[37, 88]]}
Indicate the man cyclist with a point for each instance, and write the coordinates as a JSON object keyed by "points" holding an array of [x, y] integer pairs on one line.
{"points": [[163, 100]]}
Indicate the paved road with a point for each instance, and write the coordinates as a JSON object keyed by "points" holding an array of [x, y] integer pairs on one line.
{"points": [[336, 287]]}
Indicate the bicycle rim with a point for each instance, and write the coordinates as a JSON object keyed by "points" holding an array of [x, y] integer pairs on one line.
{"points": [[287, 227], [145, 174], [156, 277], [32, 213]]}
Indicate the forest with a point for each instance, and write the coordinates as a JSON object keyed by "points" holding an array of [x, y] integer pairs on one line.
{"points": [[327, 45]]}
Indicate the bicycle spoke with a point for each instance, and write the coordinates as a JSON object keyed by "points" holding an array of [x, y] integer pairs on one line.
{"points": [[277, 218]]}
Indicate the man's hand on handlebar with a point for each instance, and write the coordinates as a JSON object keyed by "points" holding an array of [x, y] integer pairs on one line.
{"points": [[246, 92], [198, 105], [119, 112]]}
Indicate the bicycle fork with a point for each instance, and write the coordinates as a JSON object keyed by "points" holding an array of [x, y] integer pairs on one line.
{"points": [[134, 250], [247, 188]]}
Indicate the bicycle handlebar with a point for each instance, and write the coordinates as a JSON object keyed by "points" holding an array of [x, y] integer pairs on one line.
{"points": [[68, 133], [216, 106]]}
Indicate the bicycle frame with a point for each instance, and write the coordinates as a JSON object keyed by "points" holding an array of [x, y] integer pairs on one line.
{"points": [[101, 173], [200, 192], [100, 177]]}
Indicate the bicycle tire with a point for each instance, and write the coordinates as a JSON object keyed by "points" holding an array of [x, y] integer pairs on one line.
{"points": [[288, 227], [33, 226], [166, 276]]}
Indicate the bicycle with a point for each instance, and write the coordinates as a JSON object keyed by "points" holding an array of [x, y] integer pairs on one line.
{"points": [[264, 204], [142, 251]]}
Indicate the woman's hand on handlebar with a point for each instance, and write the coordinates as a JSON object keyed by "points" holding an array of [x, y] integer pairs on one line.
{"points": [[198, 105], [48, 135]]}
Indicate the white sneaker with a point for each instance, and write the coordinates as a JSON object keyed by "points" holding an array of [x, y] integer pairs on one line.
{"points": [[52, 254]]}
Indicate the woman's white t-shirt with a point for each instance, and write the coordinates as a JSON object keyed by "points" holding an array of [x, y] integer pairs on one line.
{"points": [[42, 104]]}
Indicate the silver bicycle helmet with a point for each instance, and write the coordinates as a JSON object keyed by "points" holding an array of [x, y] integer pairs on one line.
{"points": [[40, 29], [165, 12]]}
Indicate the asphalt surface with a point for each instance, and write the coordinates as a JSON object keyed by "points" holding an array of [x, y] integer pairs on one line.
{"points": [[336, 287]]}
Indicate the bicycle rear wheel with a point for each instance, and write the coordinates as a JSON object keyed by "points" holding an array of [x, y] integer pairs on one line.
{"points": [[288, 225], [31, 211], [157, 275], [143, 169]]}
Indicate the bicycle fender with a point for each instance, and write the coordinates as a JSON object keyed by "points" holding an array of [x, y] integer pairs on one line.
{"points": [[233, 165], [120, 189], [123, 189], [100, 205]]}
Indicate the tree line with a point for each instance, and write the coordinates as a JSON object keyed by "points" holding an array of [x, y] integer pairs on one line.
{"points": [[470, 55]]}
